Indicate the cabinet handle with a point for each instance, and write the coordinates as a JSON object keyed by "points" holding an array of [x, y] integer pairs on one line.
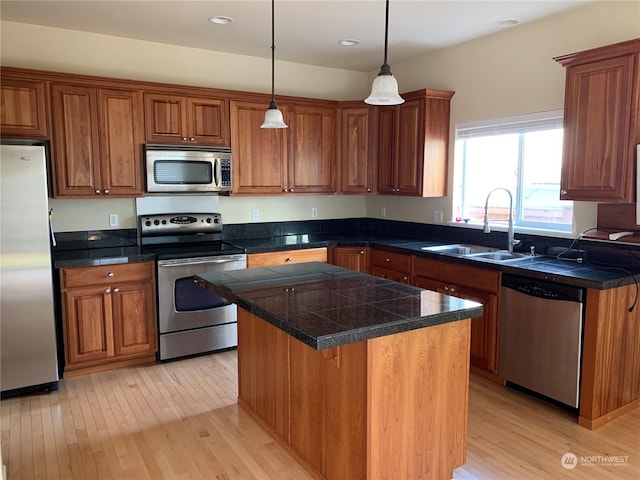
{"points": [[98, 192], [116, 290], [108, 290], [110, 274], [288, 259]]}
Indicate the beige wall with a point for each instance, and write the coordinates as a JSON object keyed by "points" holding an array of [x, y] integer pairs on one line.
{"points": [[511, 72]]}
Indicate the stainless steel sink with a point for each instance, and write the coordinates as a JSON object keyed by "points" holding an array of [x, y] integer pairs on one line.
{"points": [[459, 249], [499, 256]]}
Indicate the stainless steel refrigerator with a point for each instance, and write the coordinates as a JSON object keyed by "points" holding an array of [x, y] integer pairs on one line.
{"points": [[28, 358]]}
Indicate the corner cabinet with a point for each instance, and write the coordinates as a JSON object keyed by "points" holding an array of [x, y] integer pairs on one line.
{"points": [[601, 125], [23, 107], [413, 145], [108, 316], [312, 149], [97, 141], [357, 132], [179, 119]]}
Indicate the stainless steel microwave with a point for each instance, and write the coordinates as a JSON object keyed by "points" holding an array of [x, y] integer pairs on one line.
{"points": [[182, 169]]}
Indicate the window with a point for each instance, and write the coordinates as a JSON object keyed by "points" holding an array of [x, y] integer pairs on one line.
{"points": [[522, 154]]}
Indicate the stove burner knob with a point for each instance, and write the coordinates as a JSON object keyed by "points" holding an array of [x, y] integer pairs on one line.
{"points": [[156, 222], [208, 220], [217, 220], [148, 223], [164, 222]]}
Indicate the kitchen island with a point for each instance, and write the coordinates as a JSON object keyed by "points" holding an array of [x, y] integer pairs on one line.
{"points": [[357, 376]]}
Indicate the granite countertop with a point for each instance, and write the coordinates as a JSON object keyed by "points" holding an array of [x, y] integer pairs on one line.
{"points": [[326, 306], [541, 267]]}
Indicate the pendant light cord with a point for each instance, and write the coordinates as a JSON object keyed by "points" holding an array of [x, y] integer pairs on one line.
{"points": [[273, 55], [385, 69]]}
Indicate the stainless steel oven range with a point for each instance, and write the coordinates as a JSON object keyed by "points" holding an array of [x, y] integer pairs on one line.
{"points": [[191, 319]]}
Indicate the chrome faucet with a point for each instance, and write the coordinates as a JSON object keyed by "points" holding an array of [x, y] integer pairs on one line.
{"points": [[510, 240]]}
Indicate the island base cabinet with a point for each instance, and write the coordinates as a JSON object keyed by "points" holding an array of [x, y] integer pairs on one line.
{"points": [[386, 408]]}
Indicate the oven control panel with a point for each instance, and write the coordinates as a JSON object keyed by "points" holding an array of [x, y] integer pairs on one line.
{"points": [[179, 224]]}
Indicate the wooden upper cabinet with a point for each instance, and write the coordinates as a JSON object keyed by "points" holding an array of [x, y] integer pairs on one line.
{"points": [[601, 125], [357, 159], [259, 154], [23, 108], [97, 141], [413, 145], [180, 119], [312, 149]]}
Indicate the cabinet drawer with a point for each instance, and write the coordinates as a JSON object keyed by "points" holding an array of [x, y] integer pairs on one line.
{"points": [[286, 257], [391, 261], [106, 274], [451, 273]]}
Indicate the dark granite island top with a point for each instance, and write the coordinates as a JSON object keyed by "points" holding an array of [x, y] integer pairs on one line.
{"points": [[327, 306]]}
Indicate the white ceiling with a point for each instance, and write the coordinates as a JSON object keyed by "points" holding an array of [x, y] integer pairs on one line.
{"points": [[306, 31]]}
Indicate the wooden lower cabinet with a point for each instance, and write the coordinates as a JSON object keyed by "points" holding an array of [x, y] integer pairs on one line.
{"points": [[392, 266], [389, 407], [470, 283], [353, 258], [109, 316], [287, 256]]}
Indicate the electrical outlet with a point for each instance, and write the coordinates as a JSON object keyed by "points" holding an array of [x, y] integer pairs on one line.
{"points": [[255, 214], [314, 212], [113, 220], [383, 212], [438, 216]]}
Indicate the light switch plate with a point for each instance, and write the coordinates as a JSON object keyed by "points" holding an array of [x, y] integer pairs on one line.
{"points": [[113, 220]]}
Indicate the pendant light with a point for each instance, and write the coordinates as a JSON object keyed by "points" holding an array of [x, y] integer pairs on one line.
{"points": [[385, 86], [273, 115]]}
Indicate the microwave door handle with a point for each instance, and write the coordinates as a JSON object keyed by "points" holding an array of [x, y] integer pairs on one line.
{"points": [[217, 172]]}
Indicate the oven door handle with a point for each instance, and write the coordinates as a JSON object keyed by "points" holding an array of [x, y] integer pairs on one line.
{"points": [[182, 263]]}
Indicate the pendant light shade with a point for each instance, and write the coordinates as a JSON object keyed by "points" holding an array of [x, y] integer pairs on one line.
{"points": [[385, 86], [273, 115]]}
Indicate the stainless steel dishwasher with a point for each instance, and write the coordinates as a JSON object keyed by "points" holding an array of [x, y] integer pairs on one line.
{"points": [[541, 337]]}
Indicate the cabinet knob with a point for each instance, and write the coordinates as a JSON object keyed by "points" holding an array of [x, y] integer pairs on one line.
{"points": [[285, 189], [388, 259], [563, 192], [405, 278], [368, 189], [288, 259], [291, 189], [184, 139], [192, 139], [110, 274], [98, 192], [453, 289], [116, 290], [106, 191], [361, 252], [446, 289], [108, 290]]}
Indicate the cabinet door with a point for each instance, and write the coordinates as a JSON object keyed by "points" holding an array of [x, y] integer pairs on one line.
{"points": [[259, 154], [263, 370], [600, 130], [134, 319], [410, 150], [75, 141], [387, 118], [208, 121], [23, 108], [121, 139], [357, 156], [88, 328], [390, 274], [484, 329], [353, 258], [312, 149], [165, 118]]}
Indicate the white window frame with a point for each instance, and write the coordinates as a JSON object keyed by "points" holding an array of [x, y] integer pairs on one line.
{"points": [[514, 124]]}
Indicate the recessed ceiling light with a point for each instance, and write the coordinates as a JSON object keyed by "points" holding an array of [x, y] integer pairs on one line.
{"points": [[349, 42], [508, 23], [220, 20]]}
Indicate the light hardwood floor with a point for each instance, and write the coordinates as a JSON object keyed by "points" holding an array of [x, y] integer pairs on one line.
{"points": [[180, 420]]}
